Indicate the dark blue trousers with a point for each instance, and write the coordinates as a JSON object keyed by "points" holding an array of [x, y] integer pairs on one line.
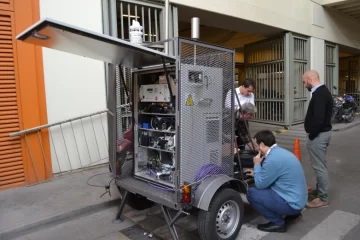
{"points": [[270, 205]]}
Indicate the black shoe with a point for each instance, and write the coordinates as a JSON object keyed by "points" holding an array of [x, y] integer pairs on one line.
{"points": [[292, 218], [271, 227]]}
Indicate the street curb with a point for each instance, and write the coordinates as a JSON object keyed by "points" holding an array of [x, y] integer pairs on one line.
{"points": [[58, 219], [346, 128], [284, 130]]}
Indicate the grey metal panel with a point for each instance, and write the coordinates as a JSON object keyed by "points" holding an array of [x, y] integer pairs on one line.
{"points": [[178, 113], [290, 81], [166, 198], [206, 127], [288, 56], [331, 66], [175, 21], [207, 189], [105, 16], [106, 30], [113, 18], [75, 40], [111, 118], [156, 26], [299, 64], [122, 19]]}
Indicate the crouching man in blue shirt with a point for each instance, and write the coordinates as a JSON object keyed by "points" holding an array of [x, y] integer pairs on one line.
{"points": [[280, 184]]}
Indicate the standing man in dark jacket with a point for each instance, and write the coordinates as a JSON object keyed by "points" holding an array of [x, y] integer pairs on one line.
{"points": [[318, 127]]}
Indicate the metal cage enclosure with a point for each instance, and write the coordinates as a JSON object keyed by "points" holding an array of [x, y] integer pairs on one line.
{"points": [[206, 133], [204, 127]]}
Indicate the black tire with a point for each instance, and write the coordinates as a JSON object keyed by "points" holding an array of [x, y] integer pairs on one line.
{"points": [[333, 115], [136, 201], [224, 201], [352, 117]]}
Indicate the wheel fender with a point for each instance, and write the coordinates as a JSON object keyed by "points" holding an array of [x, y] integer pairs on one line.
{"points": [[207, 189]]}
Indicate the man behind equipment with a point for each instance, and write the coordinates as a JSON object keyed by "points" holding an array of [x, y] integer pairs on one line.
{"points": [[280, 184], [318, 127], [244, 92], [245, 113]]}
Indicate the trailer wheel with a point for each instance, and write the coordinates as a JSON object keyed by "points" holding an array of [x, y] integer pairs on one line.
{"points": [[224, 217]]}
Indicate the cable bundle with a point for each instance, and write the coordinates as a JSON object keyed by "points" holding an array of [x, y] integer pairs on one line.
{"points": [[209, 170]]}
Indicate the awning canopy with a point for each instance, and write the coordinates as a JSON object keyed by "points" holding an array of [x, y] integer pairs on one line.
{"points": [[71, 39]]}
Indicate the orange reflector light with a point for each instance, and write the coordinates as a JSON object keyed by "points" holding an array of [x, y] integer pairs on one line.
{"points": [[186, 189], [186, 193]]}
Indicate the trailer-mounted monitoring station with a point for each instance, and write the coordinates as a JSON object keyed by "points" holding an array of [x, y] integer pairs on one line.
{"points": [[179, 151]]}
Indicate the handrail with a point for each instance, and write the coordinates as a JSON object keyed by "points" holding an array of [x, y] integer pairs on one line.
{"points": [[62, 122], [54, 124]]}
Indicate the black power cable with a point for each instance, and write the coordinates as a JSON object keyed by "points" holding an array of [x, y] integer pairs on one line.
{"points": [[107, 187]]}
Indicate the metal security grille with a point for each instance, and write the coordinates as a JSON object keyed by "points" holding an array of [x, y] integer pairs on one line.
{"points": [[299, 63], [349, 78], [277, 65], [147, 14], [331, 66], [264, 63], [151, 17], [206, 128], [349, 75]]}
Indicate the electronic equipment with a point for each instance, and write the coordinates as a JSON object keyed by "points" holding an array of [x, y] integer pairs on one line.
{"points": [[154, 93]]}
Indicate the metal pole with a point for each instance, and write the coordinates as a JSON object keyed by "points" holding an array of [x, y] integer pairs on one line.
{"points": [[195, 28], [166, 25], [195, 33]]}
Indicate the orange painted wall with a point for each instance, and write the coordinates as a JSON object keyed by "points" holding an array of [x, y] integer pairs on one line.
{"points": [[30, 90]]}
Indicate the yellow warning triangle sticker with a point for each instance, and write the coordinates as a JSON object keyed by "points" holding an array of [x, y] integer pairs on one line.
{"points": [[189, 101]]}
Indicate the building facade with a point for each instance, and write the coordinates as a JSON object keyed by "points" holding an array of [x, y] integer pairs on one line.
{"points": [[275, 42]]}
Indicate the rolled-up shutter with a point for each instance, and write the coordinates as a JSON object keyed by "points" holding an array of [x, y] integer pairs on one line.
{"points": [[11, 161]]}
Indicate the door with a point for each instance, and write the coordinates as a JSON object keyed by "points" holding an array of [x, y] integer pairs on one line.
{"points": [[299, 62]]}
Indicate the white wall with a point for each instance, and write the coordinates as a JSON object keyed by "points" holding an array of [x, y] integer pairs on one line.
{"points": [[300, 16], [317, 57], [75, 86]]}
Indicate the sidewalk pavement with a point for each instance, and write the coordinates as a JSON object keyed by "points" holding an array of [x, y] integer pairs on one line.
{"points": [[63, 198], [337, 126]]}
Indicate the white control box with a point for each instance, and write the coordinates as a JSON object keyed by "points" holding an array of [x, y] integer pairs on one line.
{"points": [[154, 93]]}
